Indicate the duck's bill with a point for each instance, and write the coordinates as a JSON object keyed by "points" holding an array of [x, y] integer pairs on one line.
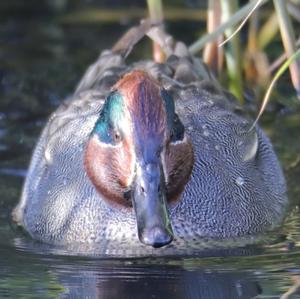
{"points": [[149, 202]]}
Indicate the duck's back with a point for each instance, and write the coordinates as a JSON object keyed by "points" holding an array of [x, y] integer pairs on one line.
{"points": [[236, 187]]}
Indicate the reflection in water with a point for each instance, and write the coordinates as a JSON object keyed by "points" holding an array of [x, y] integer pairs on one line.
{"points": [[67, 277], [160, 282], [32, 275]]}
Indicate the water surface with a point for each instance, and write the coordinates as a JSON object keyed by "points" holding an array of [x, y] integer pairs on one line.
{"points": [[41, 60]]}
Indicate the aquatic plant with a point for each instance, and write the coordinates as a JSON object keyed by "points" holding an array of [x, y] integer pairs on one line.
{"points": [[248, 61]]}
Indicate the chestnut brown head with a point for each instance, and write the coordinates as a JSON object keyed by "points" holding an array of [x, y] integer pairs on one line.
{"points": [[138, 154]]}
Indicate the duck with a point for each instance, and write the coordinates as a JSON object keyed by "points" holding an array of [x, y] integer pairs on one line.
{"points": [[148, 156]]}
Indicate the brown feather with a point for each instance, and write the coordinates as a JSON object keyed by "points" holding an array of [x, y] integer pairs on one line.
{"points": [[143, 101], [179, 163], [110, 169]]}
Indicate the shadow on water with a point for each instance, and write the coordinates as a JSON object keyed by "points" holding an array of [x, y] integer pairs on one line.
{"points": [[41, 60]]}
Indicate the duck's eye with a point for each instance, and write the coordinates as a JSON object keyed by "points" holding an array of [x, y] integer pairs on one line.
{"points": [[117, 136], [171, 135]]}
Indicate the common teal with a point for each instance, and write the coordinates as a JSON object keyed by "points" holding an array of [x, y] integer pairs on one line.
{"points": [[150, 154]]}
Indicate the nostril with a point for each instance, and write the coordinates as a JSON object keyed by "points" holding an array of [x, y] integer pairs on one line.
{"points": [[142, 189]]}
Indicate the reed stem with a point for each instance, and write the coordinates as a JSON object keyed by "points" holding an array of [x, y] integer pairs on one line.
{"points": [[235, 18], [289, 41], [212, 54], [233, 51], [155, 9]]}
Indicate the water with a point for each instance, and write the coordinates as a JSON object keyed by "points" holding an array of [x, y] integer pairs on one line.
{"points": [[41, 60]]}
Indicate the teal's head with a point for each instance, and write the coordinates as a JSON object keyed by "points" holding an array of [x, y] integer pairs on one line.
{"points": [[139, 156]]}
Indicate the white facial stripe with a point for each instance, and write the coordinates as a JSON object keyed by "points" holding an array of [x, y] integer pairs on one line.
{"points": [[124, 124], [184, 140], [164, 166], [107, 145]]}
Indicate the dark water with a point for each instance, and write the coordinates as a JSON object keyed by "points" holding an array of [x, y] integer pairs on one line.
{"points": [[41, 60]]}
